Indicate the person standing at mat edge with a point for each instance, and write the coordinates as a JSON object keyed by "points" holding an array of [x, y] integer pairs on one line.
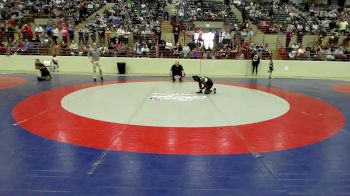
{"points": [[177, 70], [255, 63], [271, 68], [94, 56]]}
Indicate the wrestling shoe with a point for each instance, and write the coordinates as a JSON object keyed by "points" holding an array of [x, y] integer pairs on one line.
{"points": [[199, 92], [214, 90]]}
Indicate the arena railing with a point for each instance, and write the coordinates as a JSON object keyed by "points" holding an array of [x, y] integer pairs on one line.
{"points": [[168, 53]]}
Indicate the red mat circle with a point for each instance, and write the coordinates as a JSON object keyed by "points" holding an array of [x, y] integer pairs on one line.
{"points": [[309, 120]]}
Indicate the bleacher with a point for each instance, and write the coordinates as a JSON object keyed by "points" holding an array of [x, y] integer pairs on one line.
{"points": [[281, 17]]}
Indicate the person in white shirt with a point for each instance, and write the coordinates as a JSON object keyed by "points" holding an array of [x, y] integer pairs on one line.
{"points": [[145, 49], [55, 34], [94, 56], [185, 51], [54, 63], [39, 32], [74, 48]]}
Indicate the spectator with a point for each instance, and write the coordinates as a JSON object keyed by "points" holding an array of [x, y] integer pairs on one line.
{"points": [[289, 35], [39, 32], [145, 49], [71, 32], [343, 25], [55, 34], [176, 34], [27, 45], [64, 33], [74, 48], [185, 51], [27, 31]]}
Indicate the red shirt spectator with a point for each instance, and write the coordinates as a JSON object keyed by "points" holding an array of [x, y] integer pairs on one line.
{"points": [[27, 30]]}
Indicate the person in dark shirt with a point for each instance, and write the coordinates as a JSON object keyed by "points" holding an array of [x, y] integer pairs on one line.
{"points": [[255, 63], [177, 70], [204, 83], [44, 74], [176, 34]]}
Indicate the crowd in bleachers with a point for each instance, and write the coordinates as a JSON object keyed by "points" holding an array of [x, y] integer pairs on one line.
{"points": [[277, 17], [297, 20], [141, 19], [15, 25], [325, 48]]}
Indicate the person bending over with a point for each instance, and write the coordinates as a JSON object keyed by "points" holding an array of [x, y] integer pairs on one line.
{"points": [[204, 83], [177, 70], [43, 73]]}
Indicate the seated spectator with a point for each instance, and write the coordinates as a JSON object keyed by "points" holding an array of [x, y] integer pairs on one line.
{"points": [[295, 46], [144, 49], [339, 52], [27, 46], [137, 48], [46, 42], [39, 32], [185, 51], [301, 52], [343, 25], [329, 54], [74, 48], [27, 31]]}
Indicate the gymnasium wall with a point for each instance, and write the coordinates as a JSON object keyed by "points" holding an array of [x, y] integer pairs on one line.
{"points": [[151, 66]]}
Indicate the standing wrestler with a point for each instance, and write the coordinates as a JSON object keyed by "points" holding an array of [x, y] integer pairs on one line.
{"points": [[94, 56]]}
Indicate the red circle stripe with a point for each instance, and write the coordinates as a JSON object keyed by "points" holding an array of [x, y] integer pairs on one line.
{"points": [[309, 121]]}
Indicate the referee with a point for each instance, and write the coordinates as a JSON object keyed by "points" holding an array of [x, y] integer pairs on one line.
{"points": [[177, 70], [94, 56]]}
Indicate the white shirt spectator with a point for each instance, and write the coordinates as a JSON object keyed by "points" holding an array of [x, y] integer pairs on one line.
{"points": [[145, 49], [74, 46], [39, 29], [295, 46], [186, 50], [55, 32]]}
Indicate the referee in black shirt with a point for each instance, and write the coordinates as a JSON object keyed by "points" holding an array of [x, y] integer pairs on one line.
{"points": [[177, 70]]}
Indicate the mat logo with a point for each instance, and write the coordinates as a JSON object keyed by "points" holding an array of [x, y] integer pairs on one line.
{"points": [[176, 97]]}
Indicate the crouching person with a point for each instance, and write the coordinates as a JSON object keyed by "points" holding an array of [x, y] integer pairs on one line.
{"points": [[204, 83], [43, 72]]}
